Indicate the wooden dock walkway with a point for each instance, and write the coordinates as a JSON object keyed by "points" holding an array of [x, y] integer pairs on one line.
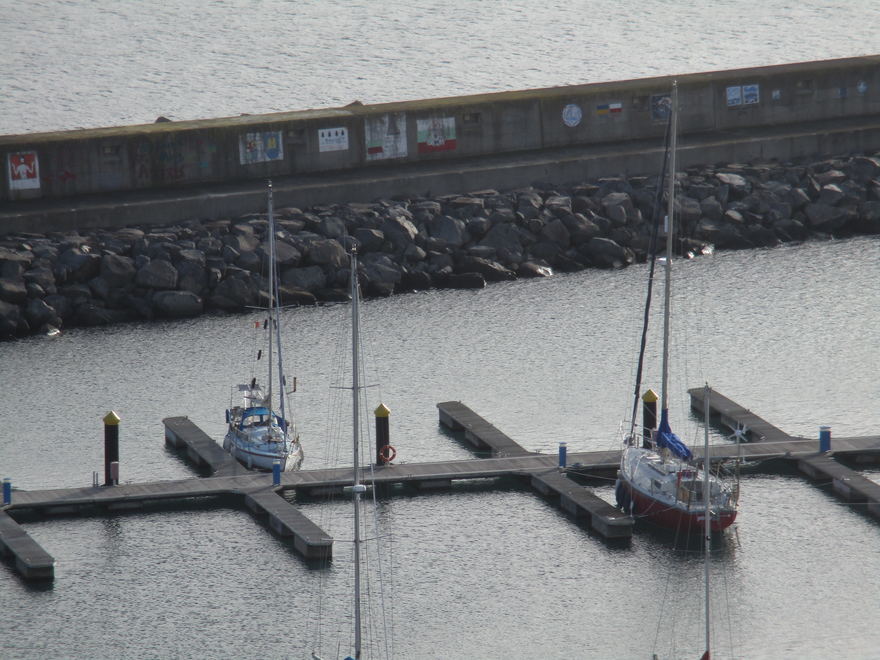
{"points": [[481, 434], [542, 472]]}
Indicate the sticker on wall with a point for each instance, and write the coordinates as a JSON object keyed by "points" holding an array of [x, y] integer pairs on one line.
{"points": [[436, 134], [734, 96], [841, 93], [776, 94], [572, 115], [751, 94], [862, 87], [660, 106], [609, 109], [260, 147], [23, 170], [385, 136], [333, 139]]}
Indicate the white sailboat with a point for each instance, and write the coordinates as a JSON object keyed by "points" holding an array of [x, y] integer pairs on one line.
{"points": [[259, 433], [659, 480]]}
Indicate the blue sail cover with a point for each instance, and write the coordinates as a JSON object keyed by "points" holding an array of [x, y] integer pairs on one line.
{"points": [[667, 439]]}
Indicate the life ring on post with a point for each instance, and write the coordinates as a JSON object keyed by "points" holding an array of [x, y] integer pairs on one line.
{"points": [[387, 453]]}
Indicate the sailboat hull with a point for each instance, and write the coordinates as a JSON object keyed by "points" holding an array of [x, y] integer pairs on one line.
{"points": [[669, 516]]}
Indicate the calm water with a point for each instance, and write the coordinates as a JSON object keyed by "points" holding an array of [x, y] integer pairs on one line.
{"points": [[790, 333], [478, 572], [71, 64]]}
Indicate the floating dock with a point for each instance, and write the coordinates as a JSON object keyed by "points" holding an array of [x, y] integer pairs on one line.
{"points": [[543, 472]]}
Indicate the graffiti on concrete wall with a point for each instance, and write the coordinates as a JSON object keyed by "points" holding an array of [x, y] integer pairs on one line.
{"points": [[385, 136], [23, 170], [436, 134], [260, 147]]}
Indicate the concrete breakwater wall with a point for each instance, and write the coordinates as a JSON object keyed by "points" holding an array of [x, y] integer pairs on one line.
{"points": [[360, 138], [460, 241]]}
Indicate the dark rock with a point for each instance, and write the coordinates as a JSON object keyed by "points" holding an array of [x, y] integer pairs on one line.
{"points": [[117, 271], [369, 240], [157, 275], [414, 281], [10, 320], [825, 218], [291, 295], [607, 254], [461, 281], [533, 269], [74, 265], [234, 293], [309, 278], [490, 270], [326, 252], [177, 304], [13, 290], [452, 231], [556, 232]]}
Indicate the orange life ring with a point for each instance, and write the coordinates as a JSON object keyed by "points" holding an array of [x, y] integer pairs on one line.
{"points": [[387, 453]]}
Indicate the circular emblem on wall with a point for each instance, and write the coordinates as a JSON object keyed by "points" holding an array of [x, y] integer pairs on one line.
{"points": [[571, 115]]}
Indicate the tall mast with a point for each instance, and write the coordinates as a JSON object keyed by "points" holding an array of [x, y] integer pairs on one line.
{"points": [[707, 528], [275, 300], [670, 228], [357, 487], [271, 308]]}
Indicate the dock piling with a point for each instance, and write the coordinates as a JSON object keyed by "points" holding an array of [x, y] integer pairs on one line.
{"points": [[563, 448], [276, 472], [111, 446], [649, 417], [383, 433], [7, 491], [824, 439]]}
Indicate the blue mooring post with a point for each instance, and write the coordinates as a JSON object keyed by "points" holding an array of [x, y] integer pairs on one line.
{"points": [[824, 438], [563, 446], [7, 491], [276, 472]]}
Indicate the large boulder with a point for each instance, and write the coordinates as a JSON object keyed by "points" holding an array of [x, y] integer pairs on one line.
{"points": [[117, 271], [605, 253], [490, 270], [452, 231], [13, 290], [234, 293], [369, 239], [75, 265], [327, 252], [309, 278], [158, 274], [10, 320], [177, 304]]}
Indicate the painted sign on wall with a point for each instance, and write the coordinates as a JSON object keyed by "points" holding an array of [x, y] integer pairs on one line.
{"points": [[260, 147], [385, 136], [661, 104], [333, 139], [436, 134], [743, 95], [23, 169], [572, 115]]}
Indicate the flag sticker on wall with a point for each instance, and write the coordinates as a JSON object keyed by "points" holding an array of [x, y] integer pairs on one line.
{"points": [[609, 109]]}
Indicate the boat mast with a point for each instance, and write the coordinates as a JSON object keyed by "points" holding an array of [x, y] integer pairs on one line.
{"points": [[271, 306], [707, 528], [669, 232], [275, 301], [357, 487]]}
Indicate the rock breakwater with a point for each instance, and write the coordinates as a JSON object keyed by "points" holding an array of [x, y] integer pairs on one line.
{"points": [[68, 279]]}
